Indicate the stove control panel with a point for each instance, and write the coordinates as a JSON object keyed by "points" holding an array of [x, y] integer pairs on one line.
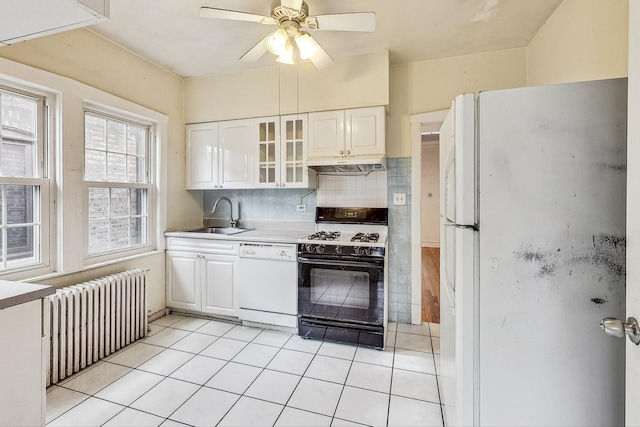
{"points": [[360, 251]]}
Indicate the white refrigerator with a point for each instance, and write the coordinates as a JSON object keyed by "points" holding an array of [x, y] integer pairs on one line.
{"points": [[533, 255]]}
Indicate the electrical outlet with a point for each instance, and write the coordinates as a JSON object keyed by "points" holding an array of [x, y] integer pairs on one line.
{"points": [[399, 199], [301, 208]]}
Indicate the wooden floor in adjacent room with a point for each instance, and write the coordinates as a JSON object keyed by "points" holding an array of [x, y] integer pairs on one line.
{"points": [[431, 285]]}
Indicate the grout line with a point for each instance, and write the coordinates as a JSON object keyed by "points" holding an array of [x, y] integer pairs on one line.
{"points": [[262, 369]]}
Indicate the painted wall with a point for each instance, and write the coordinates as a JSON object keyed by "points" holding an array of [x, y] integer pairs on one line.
{"points": [[582, 40], [430, 195], [357, 81], [430, 86]]}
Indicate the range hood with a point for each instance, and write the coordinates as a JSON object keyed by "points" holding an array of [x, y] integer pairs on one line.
{"points": [[346, 165]]}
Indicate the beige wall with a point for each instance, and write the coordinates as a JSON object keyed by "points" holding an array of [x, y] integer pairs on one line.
{"points": [[352, 82], [582, 40], [430, 86]]}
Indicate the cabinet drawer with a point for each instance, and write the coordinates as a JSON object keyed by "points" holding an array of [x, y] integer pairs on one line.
{"points": [[210, 246]]}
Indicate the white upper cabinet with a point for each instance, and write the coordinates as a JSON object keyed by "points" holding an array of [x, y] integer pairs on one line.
{"points": [[267, 141], [365, 132], [28, 19], [220, 155], [202, 156], [326, 136], [282, 152], [346, 133], [236, 155], [293, 152]]}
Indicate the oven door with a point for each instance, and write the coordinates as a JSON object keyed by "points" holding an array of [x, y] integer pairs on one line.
{"points": [[341, 299]]}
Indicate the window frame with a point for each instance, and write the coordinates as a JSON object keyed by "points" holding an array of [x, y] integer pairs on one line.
{"points": [[44, 179], [149, 185]]}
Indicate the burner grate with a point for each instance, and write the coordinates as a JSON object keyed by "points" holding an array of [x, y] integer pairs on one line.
{"points": [[324, 235], [366, 237]]}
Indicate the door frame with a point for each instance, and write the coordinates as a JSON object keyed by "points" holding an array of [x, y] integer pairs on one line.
{"points": [[424, 122]]}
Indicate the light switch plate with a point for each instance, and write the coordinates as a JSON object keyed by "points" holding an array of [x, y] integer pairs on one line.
{"points": [[400, 199], [301, 208]]}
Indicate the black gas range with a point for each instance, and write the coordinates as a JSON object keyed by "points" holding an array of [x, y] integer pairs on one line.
{"points": [[341, 277]]}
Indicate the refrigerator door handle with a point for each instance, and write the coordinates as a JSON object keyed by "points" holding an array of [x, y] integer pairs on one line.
{"points": [[448, 285], [445, 186]]}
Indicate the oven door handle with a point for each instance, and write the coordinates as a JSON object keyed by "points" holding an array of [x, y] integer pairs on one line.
{"points": [[341, 263]]}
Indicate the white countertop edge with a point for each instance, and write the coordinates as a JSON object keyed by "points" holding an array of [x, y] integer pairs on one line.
{"points": [[15, 293]]}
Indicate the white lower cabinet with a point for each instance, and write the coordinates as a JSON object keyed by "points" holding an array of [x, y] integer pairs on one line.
{"points": [[22, 365], [201, 275]]}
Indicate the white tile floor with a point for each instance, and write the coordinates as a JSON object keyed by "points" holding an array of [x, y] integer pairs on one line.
{"points": [[203, 372]]}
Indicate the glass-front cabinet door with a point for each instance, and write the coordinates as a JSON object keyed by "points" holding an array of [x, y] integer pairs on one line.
{"points": [[268, 139], [293, 154]]}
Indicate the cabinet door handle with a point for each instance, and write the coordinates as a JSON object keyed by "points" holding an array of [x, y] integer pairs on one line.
{"points": [[277, 185], [348, 152], [341, 152], [283, 184]]}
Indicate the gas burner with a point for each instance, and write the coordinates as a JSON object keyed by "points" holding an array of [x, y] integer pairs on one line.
{"points": [[366, 237], [324, 235]]}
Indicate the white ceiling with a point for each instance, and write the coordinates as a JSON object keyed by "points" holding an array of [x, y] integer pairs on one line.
{"points": [[170, 33]]}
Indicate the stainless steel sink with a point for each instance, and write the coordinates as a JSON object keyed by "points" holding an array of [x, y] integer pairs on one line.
{"points": [[220, 230]]}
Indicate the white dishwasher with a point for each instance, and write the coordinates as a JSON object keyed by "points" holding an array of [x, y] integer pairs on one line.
{"points": [[267, 283]]}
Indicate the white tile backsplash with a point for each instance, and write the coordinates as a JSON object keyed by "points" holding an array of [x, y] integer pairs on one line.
{"points": [[353, 191]]}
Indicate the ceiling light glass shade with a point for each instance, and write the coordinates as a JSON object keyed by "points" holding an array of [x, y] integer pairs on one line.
{"points": [[277, 42], [287, 56], [307, 45]]}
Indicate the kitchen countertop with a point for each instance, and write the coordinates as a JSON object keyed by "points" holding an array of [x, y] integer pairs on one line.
{"points": [[264, 231], [14, 293]]}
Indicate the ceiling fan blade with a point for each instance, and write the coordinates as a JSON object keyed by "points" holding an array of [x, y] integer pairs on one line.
{"points": [[256, 51], [291, 4], [212, 12], [360, 21], [321, 59]]}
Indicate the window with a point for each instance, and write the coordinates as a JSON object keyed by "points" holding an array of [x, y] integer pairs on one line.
{"points": [[117, 181], [24, 187]]}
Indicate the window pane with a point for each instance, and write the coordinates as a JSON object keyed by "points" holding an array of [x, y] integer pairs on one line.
{"points": [[137, 231], [98, 236], [94, 132], [135, 140], [298, 129], [289, 131], [20, 201], [138, 197], [95, 165], [116, 136], [98, 203], [17, 159], [19, 116], [20, 244], [119, 202], [119, 233], [117, 170]]}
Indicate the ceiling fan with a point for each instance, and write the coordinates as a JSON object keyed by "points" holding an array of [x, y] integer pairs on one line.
{"points": [[292, 18]]}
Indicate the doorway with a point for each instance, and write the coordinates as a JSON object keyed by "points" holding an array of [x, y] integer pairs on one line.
{"points": [[430, 225], [425, 217]]}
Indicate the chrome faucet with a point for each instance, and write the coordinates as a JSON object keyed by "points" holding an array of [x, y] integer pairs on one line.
{"points": [[232, 222]]}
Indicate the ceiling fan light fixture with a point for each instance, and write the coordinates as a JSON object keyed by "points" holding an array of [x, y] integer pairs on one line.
{"points": [[306, 45], [277, 41], [286, 57]]}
